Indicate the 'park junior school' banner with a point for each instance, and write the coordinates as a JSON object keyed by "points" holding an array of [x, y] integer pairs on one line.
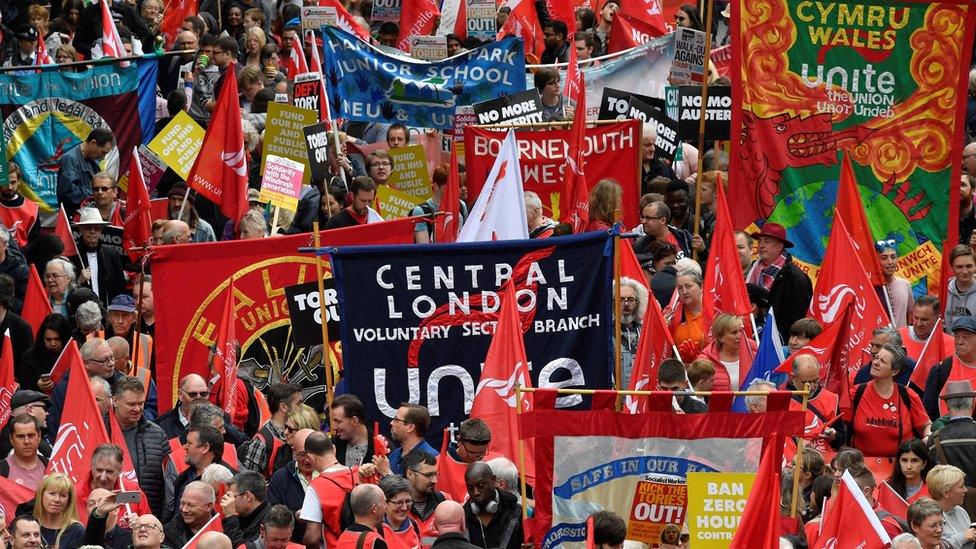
{"points": [[366, 85], [46, 114], [417, 320], [882, 81], [189, 290], [611, 151]]}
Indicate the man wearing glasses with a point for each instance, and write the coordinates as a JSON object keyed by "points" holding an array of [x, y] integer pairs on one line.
{"points": [[244, 507], [175, 421], [264, 452], [147, 532], [633, 303], [99, 361], [420, 469], [409, 427]]}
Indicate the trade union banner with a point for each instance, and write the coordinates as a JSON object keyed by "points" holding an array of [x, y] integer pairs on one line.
{"points": [[611, 151], [883, 81], [417, 320], [367, 85], [47, 113], [189, 291], [644, 461]]}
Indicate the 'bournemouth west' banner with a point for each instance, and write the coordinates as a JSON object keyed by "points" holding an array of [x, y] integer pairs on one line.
{"points": [[47, 113], [417, 320], [612, 150], [189, 288], [367, 85], [637, 465], [884, 81]]}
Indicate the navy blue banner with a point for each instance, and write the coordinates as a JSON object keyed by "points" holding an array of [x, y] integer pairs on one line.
{"points": [[417, 320], [367, 85]]}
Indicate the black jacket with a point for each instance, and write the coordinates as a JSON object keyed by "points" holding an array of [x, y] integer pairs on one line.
{"points": [[342, 445], [170, 423], [452, 540], [111, 273], [184, 478], [116, 538], [790, 296], [505, 529], [15, 265], [958, 446], [285, 488], [21, 339], [663, 284], [152, 446], [938, 376], [241, 530], [177, 532], [341, 219]]}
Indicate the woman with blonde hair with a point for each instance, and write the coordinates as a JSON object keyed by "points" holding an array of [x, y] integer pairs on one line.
{"points": [[56, 510], [725, 351], [605, 200], [302, 417], [947, 486], [254, 40]]}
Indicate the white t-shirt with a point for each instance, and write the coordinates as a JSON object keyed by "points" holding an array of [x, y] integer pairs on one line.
{"points": [[733, 369]]}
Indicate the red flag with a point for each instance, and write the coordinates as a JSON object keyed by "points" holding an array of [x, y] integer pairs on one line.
{"points": [[137, 224], [12, 495], [830, 348], [220, 170], [505, 367], [842, 281], [627, 31], [344, 20], [62, 229], [759, 526], [212, 525], [565, 11], [851, 519], [69, 356], [36, 304], [418, 18], [574, 201], [111, 41], [297, 62], [631, 268], [889, 500], [225, 359], [42, 57], [724, 290], [174, 14], [851, 209], [933, 352], [447, 225], [8, 383], [82, 428], [590, 538], [524, 23], [127, 479], [654, 347]]}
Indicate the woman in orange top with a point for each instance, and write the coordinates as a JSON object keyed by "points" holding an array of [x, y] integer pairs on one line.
{"points": [[688, 325]]}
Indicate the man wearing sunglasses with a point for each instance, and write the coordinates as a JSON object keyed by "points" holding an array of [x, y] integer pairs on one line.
{"points": [[175, 421]]}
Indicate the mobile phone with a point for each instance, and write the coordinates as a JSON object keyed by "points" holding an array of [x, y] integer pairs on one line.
{"points": [[128, 497]]}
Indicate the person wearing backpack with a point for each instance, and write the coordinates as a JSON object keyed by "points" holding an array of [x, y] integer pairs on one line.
{"points": [[326, 510], [424, 231], [263, 452], [884, 414], [369, 507]]}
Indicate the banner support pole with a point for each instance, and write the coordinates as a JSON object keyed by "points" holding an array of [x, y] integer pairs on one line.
{"points": [[617, 351], [323, 312], [798, 459], [701, 122], [521, 451], [186, 196], [136, 336], [274, 222]]}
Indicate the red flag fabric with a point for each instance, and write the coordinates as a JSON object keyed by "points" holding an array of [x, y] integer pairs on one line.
{"points": [[724, 289], [297, 62], [212, 525], [505, 367], [8, 383], [850, 207], [137, 223], [627, 31], [127, 479], [174, 14], [832, 350], [851, 519], [12, 495], [631, 268], [36, 303], [450, 472], [590, 536], [945, 273], [934, 352], [842, 281], [574, 202], [344, 19], [654, 347], [418, 18], [524, 23], [82, 428], [225, 360], [220, 170], [111, 41], [42, 57], [565, 11], [70, 356], [759, 526], [62, 229], [889, 500], [447, 225]]}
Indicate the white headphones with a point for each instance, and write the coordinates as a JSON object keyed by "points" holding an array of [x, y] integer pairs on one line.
{"points": [[491, 507]]}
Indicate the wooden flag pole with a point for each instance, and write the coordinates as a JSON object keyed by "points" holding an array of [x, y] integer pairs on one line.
{"points": [[617, 350], [323, 312], [798, 460], [521, 451], [701, 122]]}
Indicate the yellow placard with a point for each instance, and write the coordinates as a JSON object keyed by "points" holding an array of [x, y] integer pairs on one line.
{"points": [[715, 505], [394, 204], [283, 135], [409, 173], [179, 143]]}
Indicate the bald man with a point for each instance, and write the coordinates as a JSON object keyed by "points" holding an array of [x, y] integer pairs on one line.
{"points": [[147, 532], [822, 405], [174, 422], [369, 507], [494, 517], [449, 521], [214, 540], [103, 516]]}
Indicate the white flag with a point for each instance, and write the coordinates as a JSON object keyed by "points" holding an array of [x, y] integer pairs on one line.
{"points": [[499, 212]]}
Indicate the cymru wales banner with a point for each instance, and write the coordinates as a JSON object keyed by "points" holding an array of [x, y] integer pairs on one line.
{"points": [[417, 321], [884, 81], [367, 85], [189, 290], [611, 150], [47, 113], [640, 468]]}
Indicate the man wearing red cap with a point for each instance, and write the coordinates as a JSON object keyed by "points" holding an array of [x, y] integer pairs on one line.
{"points": [[790, 289]]}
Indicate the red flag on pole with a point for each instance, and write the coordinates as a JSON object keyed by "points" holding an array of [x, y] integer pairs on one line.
{"points": [[212, 525], [62, 229], [628, 31], [759, 526], [12, 495], [127, 479], [654, 347], [447, 225], [297, 63], [111, 41], [850, 208], [574, 200], [724, 290], [344, 19], [8, 383], [889, 500], [36, 303], [42, 57], [176, 11], [850, 518], [524, 23], [831, 348], [225, 359], [631, 268], [418, 18], [137, 224], [933, 352], [69, 356], [82, 428], [505, 367], [220, 170]]}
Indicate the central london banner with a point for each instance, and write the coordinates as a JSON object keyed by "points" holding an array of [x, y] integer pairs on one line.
{"points": [[417, 321], [885, 82]]}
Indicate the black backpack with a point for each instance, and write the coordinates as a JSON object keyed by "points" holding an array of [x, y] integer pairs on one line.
{"points": [[902, 394]]}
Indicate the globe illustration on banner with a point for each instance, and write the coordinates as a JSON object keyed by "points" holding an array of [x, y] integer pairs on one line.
{"points": [[807, 214]]}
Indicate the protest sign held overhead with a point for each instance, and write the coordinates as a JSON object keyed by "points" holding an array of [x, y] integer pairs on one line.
{"points": [[306, 315], [409, 171], [281, 184], [518, 108], [684, 106], [317, 141], [284, 135]]}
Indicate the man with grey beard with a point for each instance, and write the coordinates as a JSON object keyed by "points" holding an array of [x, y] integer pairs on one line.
{"points": [[633, 303]]}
